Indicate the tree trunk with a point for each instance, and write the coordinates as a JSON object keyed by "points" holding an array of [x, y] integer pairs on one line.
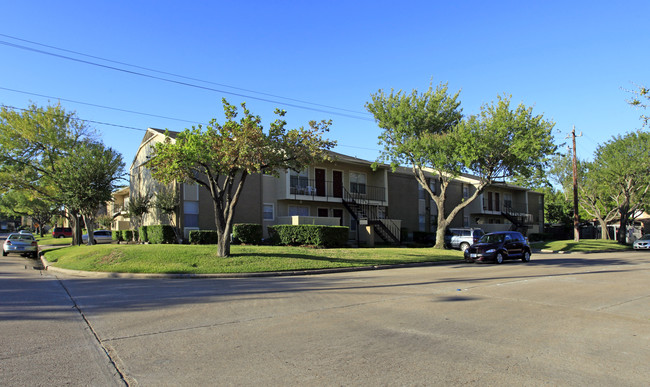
{"points": [[223, 246], [604, 234], [622, 229]]}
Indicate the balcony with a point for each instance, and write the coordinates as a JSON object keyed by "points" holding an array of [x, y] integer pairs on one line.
{"points": [[301, 188]]}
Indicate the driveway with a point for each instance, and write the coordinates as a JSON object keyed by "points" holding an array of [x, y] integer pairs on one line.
{"points": [[579, 319]]}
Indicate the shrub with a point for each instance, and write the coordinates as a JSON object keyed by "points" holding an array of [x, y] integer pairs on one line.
{"points": [[127, 235], [116, 235], [248, 233], [203, 237], [162, 233], [143, 234], [306, 234]]}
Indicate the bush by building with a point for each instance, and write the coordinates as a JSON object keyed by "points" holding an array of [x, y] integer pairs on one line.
{"points": [[310, 235], [248, 233]]}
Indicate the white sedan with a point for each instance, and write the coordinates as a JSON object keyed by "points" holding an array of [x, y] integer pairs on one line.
{"points": [[99, 236], [23, 244], [642, 243]]}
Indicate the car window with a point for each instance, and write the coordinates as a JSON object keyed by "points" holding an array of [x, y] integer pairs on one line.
{"points": [[508, 237], [466, 233], [492, 238]]}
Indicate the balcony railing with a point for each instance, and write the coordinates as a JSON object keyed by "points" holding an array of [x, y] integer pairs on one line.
{"points": [[300, 186]]}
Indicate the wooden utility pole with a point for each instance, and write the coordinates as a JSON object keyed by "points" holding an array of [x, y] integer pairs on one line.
{"points": [[576, 217]]}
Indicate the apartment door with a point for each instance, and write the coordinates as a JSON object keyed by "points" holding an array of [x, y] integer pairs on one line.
{"points": [[337, 184], [323, 212], [320, 182]]}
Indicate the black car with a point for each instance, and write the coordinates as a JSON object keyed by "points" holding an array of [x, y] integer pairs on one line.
{"points": [[499, 246]]}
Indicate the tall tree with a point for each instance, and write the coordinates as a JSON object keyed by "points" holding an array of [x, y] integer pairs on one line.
{"points": [[166, 203], [221, 157], [622, 167], [88, 178], [426, 131], [33, 142], [29, 204], [641, 99]]}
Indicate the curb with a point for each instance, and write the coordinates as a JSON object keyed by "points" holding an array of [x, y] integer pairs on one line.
{"points": [[103, 274]]}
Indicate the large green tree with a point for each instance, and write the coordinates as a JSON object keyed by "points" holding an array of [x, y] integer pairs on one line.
{"points": [[88, 178], [622, 168], [427, 132], [30, 204], [33, 143], [221, 157]]}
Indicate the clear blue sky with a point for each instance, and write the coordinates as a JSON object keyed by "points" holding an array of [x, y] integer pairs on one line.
{"points": [[567, 59]]}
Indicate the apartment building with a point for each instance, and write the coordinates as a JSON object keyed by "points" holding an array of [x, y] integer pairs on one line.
{"points": [[378, 205]]}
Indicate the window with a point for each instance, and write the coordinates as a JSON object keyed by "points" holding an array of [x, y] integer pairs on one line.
{"points": [[421, 221], [191, 213], [298, 211], [465, 191], [299, 181], [267, 212], [507, 201], [358, 183], [191, 192]]}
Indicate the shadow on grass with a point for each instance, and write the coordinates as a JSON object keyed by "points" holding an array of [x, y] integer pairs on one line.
{"points": [[404, 258]]}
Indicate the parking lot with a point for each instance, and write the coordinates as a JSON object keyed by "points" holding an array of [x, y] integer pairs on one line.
{"points": [[578, 319]]}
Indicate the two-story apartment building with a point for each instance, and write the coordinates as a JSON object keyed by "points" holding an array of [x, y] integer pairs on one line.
{"points": [[376, 204]]}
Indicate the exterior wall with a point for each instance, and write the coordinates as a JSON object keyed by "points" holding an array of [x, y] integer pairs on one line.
{"points": [[536, 209], [404, 203]]}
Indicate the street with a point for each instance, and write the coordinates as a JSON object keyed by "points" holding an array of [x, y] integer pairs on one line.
{"points": [[573, 319]]}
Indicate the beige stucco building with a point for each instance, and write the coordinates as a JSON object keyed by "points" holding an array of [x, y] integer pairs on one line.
{"points": [[376, 204]]}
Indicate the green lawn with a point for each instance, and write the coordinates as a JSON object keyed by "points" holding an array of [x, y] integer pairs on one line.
{"points": [[244, 259], [51, 241], [585, 245]]}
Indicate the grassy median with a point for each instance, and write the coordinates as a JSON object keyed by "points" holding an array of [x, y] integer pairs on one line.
{"points": [[244, 259], [585, 245]]}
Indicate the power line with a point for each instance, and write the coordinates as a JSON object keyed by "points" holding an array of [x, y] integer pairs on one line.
{"points": [[179, 76], [100, 106], [181, 82]]}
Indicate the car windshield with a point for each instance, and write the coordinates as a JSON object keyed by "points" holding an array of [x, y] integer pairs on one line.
{"points": [[26, 237], [492, 238]]}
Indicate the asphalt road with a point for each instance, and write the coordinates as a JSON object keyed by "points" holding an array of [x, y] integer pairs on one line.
{"points": [[579, 319]]}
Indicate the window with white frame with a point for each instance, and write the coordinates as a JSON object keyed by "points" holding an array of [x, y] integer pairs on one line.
{"points": [[190, 205], [298, 211], [358, 183], [268, 212]]}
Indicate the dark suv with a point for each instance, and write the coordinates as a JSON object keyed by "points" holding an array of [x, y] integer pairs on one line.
{"points": [[61, 232], [499, 246]]}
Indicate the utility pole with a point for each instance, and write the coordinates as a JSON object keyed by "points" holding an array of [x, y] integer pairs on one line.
{"points": [[576, 217]]}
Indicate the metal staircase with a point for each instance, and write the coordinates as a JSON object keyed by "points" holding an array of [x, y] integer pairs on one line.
{"points": [[358, 206], [521, 221]]}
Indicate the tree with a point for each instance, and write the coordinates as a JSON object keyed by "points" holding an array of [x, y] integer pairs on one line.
{"points": [[641, 99], [33, 142], [426, 131], [88, 178], [167, 202], [27, 203], [138, 207], [622, 167], [220, 158]]}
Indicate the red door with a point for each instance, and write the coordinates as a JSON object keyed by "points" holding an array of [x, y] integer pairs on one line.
{"points": [[320, 182], [337, 184]]}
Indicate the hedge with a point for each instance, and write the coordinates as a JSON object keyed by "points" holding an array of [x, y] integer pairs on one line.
{"points": [[160, 234], [203, 237], [144, 236], [307, 234], [127, 235], [116, 235], [248, 233]]}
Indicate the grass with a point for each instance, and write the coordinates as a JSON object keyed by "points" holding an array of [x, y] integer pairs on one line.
{"points": [[585, 245], [51, 241], [244, 259]]}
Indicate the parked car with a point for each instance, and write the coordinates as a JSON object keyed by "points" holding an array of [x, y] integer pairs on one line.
{"points": [[499, 246], [99, 236], [642, 243], [462, 238], [61, 232], [27, 232], [23, 244]]}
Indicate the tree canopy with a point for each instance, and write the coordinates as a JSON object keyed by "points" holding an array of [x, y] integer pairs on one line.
{"points": [[428, 132], [220, 157]]}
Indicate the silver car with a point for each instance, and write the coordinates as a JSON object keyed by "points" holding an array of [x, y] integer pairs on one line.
{"points": [[99, 236], [23, 244], [642, 243]]}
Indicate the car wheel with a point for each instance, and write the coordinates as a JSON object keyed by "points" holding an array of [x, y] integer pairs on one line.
{"points": [[464, 246], [4, 253], [526, 257], [499, 258], [61, 236]]}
